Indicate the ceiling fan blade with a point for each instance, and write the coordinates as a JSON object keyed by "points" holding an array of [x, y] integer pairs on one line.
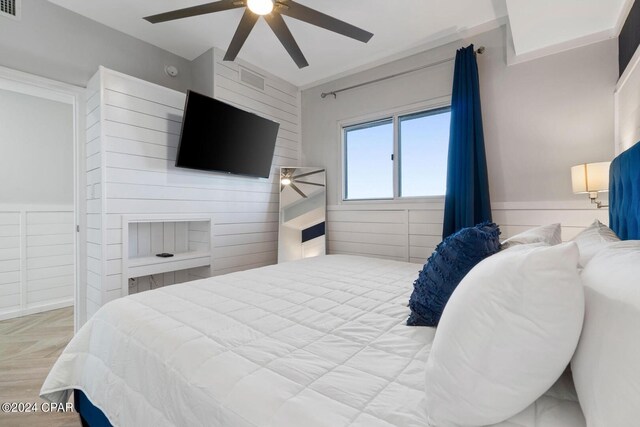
{"points": [[247, 23], [287, 172], [283, 33], [308, 173], [303, 13], [203, 9], [310, 183], [295, 187]]}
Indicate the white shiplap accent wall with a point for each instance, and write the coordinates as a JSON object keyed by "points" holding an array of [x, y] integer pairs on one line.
{"points": [[411, 233], [249, 238], [133, 130], [37, 269]]}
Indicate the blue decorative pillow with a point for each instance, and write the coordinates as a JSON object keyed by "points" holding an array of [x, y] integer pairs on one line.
{"points": [[447, 266]]}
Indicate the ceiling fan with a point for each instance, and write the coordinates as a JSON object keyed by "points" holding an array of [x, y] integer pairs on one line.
{"points": [[272, 10], [287, 179]]}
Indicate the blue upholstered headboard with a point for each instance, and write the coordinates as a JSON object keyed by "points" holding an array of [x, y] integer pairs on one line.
{"points": [[624, 194]]}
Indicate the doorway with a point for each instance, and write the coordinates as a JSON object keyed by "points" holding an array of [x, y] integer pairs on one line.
{"points": [[39, 193]]}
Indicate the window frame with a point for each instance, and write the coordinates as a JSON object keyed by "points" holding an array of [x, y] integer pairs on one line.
{"points": [[365, 125], [434, 105]]}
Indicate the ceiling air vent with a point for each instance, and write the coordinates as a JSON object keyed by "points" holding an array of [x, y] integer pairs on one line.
{"points": [[252, 79], [10, 8]]}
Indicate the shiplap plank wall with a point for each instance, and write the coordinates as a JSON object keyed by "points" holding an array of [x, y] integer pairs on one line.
{"points": [[412, 233], [248, 238], [36, 260], [132, 140]]}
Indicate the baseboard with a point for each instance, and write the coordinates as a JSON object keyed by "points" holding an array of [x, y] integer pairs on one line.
{"points": [[37, 309]]}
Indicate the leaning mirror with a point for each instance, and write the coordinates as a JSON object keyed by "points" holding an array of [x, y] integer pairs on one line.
{"points": [[302, 213]]}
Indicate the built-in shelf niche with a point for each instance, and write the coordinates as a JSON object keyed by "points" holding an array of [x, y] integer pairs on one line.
{"points": [[188, 237]]}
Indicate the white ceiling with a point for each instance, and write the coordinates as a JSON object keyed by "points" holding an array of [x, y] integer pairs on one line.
{"points": [[398, 26]]}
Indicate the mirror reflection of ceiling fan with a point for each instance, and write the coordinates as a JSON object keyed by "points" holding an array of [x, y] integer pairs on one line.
{"points": [[272, 11], [288, 179]]}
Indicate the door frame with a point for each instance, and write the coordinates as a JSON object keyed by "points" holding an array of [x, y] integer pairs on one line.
{"points": [[42, 87]]}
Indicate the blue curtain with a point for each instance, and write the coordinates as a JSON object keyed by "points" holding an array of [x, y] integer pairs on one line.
{"points": [[467, 199]]}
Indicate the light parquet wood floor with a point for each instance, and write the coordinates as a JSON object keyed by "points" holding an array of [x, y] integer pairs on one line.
{"points": [[29, 346]]}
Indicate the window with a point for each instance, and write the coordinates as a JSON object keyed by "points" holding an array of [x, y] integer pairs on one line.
{"points": [[369, 172], [398, 156]]}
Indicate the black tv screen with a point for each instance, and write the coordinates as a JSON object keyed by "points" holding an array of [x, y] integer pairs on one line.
{"points": [[219, 137]]}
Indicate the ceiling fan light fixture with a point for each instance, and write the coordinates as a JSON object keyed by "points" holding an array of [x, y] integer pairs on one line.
{"points": [[286, 181], [260, 7]]}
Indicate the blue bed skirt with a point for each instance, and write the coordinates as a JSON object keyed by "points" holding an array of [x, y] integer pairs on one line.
{"points": [[89, 414]]}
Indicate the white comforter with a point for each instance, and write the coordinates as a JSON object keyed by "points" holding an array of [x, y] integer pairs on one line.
{"points": [[318, 342]]}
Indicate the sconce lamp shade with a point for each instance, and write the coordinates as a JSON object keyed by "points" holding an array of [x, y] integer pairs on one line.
{"points": [[590, 177]]}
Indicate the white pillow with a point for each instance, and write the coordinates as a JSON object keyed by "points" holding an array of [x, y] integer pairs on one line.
{"points": [[593, 239], [606, 365], [549, 234], [506, 335]]}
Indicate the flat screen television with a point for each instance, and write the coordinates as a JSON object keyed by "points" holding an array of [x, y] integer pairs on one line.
{"points": [[219, 137]]}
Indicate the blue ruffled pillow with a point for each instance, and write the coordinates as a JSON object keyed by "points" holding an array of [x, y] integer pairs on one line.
{"points": [[447, 266]]}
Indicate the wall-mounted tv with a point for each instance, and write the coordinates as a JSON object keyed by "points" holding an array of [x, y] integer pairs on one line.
{"points": [[219, 137]]}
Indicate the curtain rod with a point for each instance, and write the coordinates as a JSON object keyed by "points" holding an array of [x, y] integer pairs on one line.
{"points": [[335, 93]]}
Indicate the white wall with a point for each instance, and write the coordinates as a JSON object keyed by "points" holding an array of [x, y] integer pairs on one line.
{"points": [[540, 118], [543, 116], [36, 150], [54, 42], [628, 106], [132, 135]]}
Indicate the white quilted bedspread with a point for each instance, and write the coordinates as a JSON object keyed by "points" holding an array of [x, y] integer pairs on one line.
{"points": [[317, 342]]}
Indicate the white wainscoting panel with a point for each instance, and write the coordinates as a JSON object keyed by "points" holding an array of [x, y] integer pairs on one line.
{"points": [[410, 232], [37, 268], [132, 141], [10, 263]]}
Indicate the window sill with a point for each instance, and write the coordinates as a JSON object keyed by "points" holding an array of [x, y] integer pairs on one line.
{"points": [[424, 199], [430, 203]]}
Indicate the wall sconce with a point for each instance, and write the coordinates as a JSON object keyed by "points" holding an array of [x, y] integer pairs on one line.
{"points": [[591, 178]]}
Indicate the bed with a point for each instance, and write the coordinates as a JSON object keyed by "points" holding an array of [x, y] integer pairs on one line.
{"points": [[316, 342]]}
